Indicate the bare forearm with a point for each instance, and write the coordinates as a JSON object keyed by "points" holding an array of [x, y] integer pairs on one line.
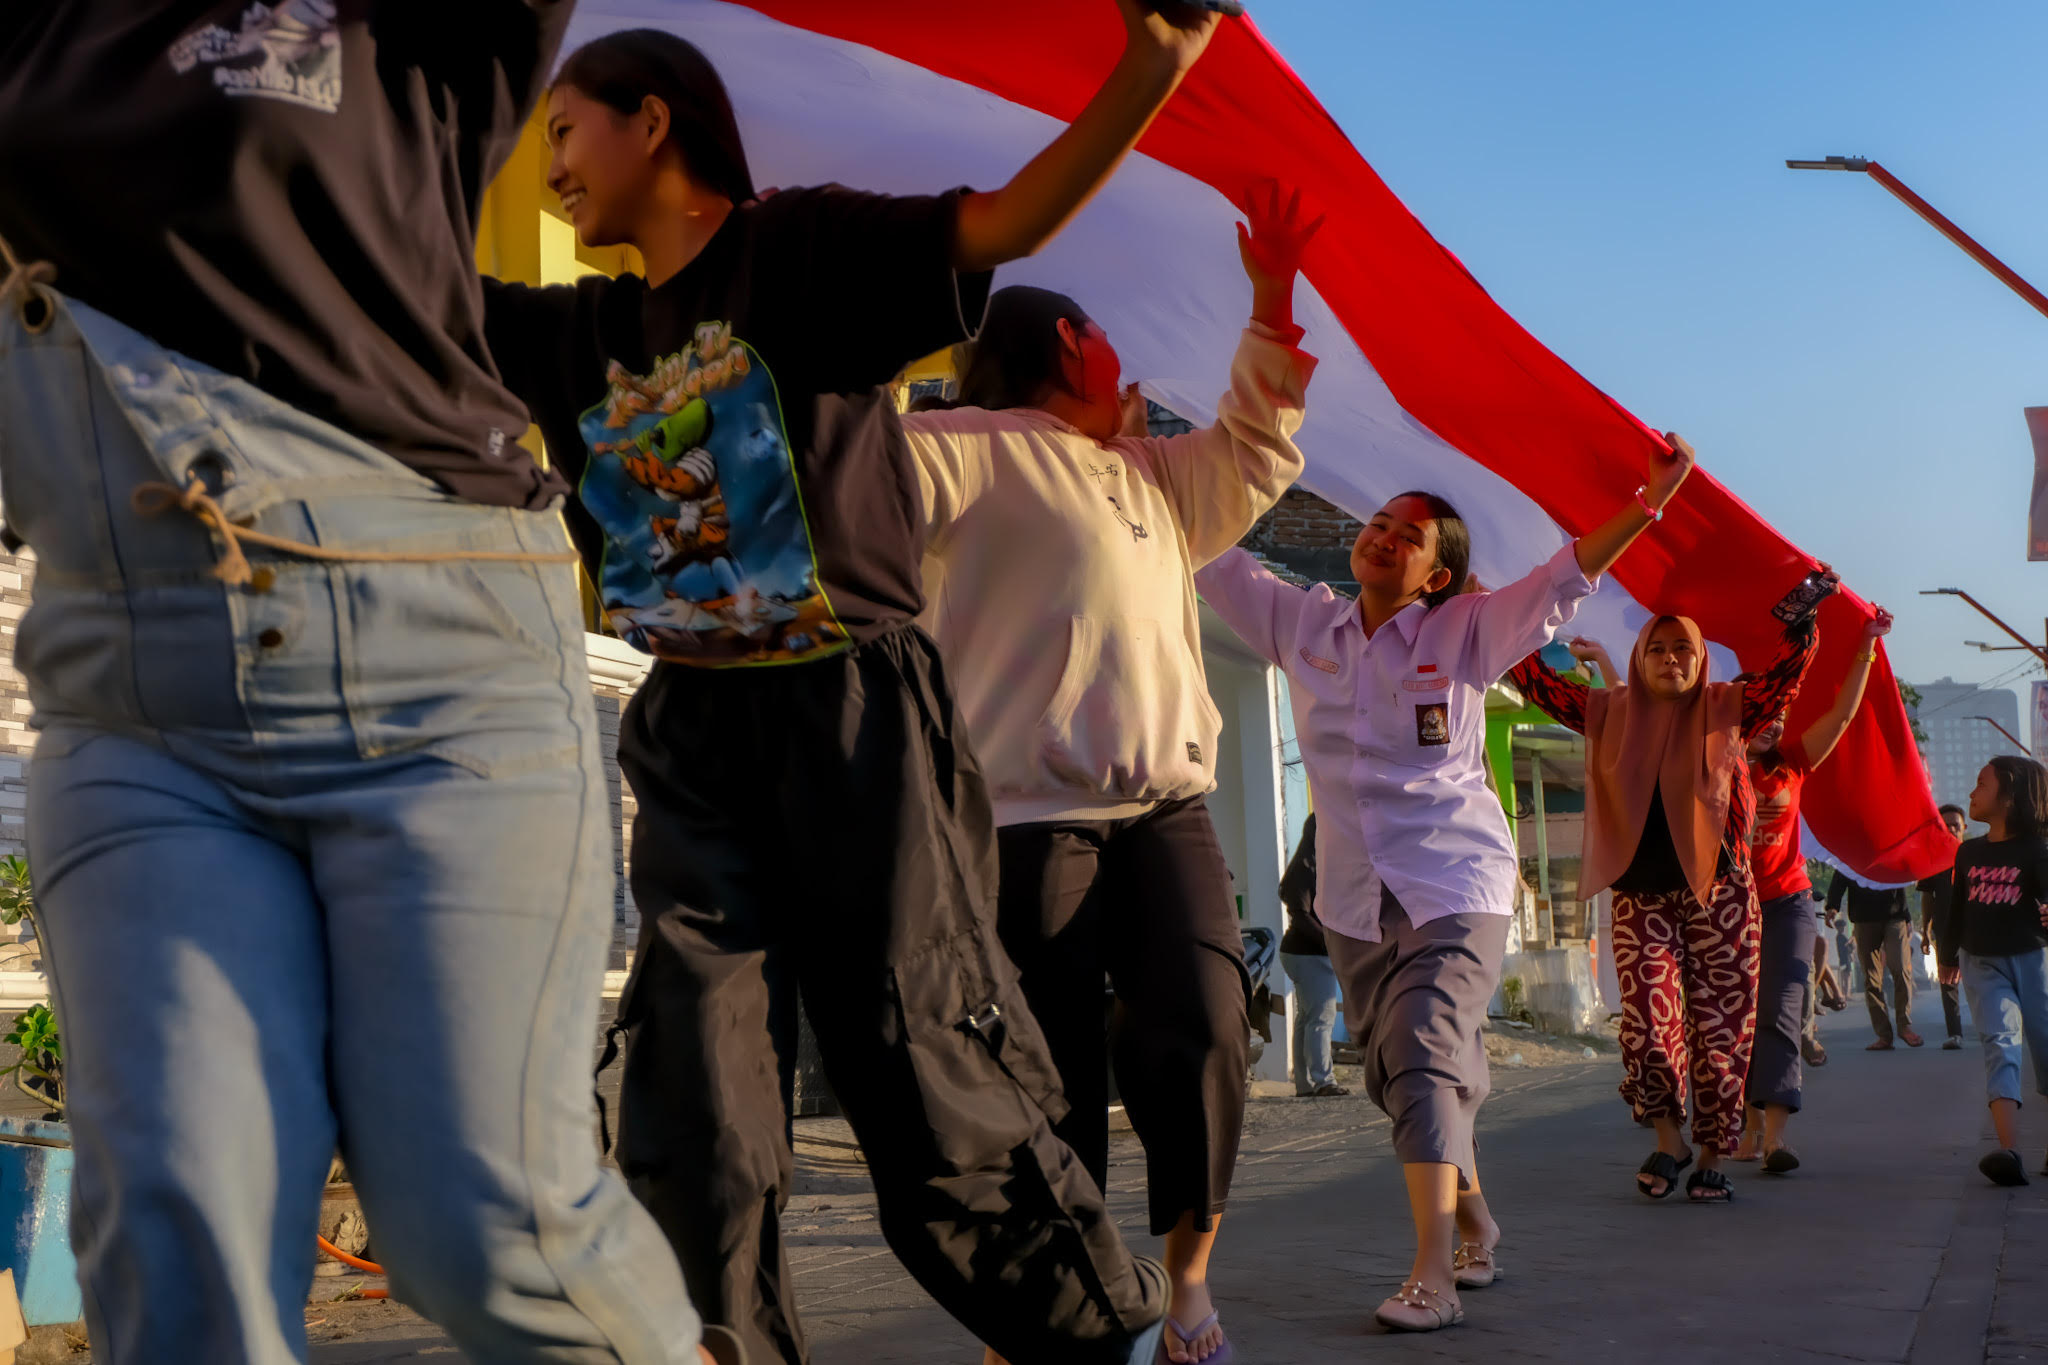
{"points": [[1598, 549], [1824, 734], [1021, 217]]}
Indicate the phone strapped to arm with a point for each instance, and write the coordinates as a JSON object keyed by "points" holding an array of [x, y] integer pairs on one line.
{"points": [[1233, 8]]}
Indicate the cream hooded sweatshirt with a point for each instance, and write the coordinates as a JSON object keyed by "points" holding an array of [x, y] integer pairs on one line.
{"points": [[1059, 582]]}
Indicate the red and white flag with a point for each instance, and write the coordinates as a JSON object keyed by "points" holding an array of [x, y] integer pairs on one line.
{"points": [[1424, 382]]}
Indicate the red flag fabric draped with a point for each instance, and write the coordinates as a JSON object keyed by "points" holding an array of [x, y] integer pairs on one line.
{"points": [[1452, 358]]}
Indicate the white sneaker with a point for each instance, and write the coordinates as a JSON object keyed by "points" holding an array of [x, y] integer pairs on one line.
{"points": [[1954, 1043]]}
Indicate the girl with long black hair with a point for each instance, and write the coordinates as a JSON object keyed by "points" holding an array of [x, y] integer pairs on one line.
{"points": [[812, 822], [1998, 922]]}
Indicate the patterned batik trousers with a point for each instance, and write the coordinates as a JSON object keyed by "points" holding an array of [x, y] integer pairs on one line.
{"points": [[1688, 976]]}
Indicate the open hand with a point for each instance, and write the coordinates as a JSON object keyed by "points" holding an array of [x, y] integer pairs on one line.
{"points": [[1273, 243], [1178, 37], [1668, 471]]}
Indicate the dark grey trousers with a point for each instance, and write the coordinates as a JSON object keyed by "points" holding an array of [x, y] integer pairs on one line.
{"points": [[1883, 950], [1784, 984], [1416, 1003]]}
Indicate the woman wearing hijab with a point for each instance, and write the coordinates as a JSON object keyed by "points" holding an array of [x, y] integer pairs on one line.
{"points": [[1668, 813]]}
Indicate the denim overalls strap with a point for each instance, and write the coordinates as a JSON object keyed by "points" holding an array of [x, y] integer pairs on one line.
{"points": [[228, 514]]}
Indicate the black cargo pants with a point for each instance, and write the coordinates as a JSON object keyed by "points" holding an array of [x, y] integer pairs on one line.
{"points": [[822, 832]]}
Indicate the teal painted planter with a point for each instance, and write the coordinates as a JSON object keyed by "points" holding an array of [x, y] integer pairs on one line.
{"points": [[35, 1219]]}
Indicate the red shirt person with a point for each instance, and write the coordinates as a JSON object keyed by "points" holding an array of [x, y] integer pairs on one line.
{"points": [[1778, 769]]}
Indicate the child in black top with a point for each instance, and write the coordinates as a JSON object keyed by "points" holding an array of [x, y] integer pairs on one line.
{"points": [[812, 824], [1998, 918]]}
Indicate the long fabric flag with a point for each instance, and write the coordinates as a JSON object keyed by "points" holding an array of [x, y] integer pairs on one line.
{"points": [[1425, 381]]}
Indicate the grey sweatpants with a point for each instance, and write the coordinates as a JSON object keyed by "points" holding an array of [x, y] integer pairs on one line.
{"points": [[1416, 1004]]}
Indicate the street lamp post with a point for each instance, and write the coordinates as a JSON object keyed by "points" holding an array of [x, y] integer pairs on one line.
{"points": [[2007, 733], [1970, 245], [2036, 650]]}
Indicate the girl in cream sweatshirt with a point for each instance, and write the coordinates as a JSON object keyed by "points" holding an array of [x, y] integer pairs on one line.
{"points": [[1063, 543]]}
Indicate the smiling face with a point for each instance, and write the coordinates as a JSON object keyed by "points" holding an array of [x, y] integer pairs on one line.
{"points": [[1671, 663], [604, 162], [1767, 739], [1395, 556]]}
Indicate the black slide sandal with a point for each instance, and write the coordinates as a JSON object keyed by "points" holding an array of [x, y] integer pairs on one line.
{"points": [[1784, 1161], [1709, 1187], [1665, 1167]]}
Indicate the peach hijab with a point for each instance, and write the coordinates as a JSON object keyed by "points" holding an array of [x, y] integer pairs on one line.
{"points": [[1685, 748]]}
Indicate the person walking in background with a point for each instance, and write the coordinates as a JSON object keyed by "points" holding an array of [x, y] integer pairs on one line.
{"points": [[1935, 893], [1668, 814], [1884, 937], [1996, 936], [1305, 957], [1778, 769], [1053, 516], [1417, 866]]}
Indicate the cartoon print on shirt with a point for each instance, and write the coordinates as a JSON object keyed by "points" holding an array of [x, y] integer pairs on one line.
{"points": [[290, 52], [707, 557]]}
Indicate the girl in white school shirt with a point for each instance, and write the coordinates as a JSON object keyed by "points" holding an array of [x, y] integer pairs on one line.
{"points": [[1418, 865]]}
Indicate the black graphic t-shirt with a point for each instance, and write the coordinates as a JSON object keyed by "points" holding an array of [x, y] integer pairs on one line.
{"points": [[1995, 904], [744, 492], [287, 192]]}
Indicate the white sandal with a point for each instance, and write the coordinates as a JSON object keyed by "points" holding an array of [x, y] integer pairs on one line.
{"points": [[1403, 1312]]}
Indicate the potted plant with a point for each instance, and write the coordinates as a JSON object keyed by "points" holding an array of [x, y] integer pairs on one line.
{"points": [[35, 1153]]}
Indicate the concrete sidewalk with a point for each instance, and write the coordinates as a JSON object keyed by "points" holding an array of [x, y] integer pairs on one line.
{"points": [[1887, 1246]]}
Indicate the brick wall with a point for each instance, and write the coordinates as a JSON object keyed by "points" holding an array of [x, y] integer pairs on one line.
{"points": [[1307, 535]]}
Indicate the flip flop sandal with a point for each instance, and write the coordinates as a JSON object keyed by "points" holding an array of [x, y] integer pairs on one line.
{"points": [[1222, 1355], [2004, 1168], [1709, 1187], [1476, 1266], [1665, 1167], [1784, 1161], [1403, 1312]]}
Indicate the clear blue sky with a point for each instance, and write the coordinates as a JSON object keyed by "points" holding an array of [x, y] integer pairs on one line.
{"points": [[1613, 172]]}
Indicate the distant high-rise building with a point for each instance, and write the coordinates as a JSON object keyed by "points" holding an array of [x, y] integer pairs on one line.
{"points": [[1959, 744]]}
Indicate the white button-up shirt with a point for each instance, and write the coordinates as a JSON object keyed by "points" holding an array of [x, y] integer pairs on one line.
{"points": [[1393, 731]]}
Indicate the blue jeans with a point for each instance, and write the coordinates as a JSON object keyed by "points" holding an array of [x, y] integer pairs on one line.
{"points": [[2008, 1000], [323, 862], [1315, 1018]]}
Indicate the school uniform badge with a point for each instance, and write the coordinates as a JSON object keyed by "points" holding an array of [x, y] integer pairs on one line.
{"points": [[1433, 723]]}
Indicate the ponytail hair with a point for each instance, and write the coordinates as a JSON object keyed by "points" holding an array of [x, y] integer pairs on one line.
{"points": [[622, 70], [1017, 358]]}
